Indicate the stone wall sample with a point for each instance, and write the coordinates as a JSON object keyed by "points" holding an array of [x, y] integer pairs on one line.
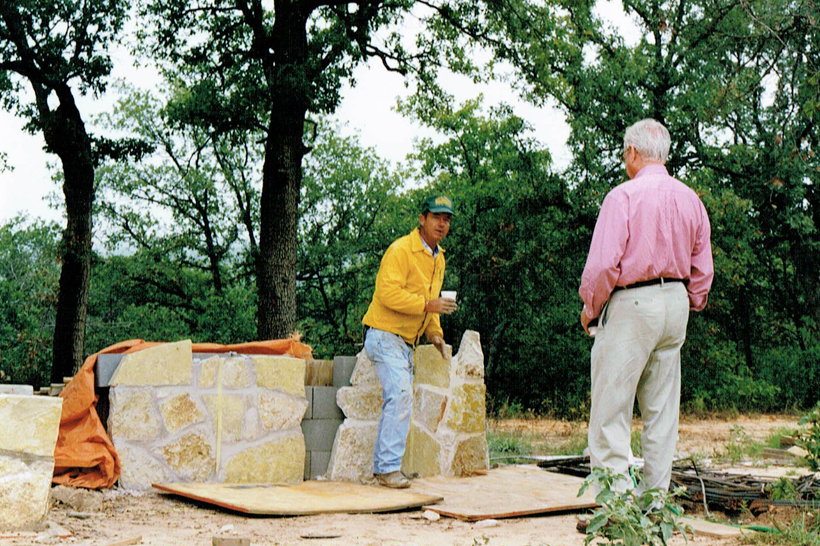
{"points": [[165, 364], [447, 431], [171, 432], [28, 433]]}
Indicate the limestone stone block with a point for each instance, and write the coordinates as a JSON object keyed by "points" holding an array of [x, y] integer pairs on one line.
{"points": [[364, 374], [351, 459], [431, 368], [24, 486], [235, 373], [132, 415], [469, 362], [24, 390], [250, 431], [428, 407], [180, 412], [29, 424], [166, 364], [140, 469], [207, 372], [423, 453], [232, 412], [363, 403], [467, 409], [191, 456], [279, 461], [283, 373], [470, 455], [280, 412]]}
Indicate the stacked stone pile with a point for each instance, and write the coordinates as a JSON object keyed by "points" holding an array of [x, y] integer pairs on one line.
{"points": [[226, 418], [447, 431], [28, 434]]}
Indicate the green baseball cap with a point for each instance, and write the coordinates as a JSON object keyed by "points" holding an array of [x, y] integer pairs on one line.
{"points": [[437, 203]]}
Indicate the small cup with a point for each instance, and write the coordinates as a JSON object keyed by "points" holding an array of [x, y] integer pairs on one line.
{"points": [[449, 294]]}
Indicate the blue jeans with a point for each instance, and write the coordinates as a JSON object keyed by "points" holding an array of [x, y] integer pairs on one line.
{"points": [[393, 360]]}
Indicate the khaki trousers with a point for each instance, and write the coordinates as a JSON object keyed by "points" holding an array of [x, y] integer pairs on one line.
{"points": [[637, 353]]}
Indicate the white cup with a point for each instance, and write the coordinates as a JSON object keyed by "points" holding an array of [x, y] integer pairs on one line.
{"points": [[449, 294]]}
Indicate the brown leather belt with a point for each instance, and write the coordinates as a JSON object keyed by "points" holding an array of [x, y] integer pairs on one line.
{"points": [[651, 282]]}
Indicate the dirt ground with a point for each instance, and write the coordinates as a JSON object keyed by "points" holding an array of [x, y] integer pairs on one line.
{"points": [[164, 520]]}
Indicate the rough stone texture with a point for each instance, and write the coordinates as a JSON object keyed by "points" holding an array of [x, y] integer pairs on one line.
{"points": [[467, 411], [364, 374], [280, 412], [283, 373], [207, 373], [24, 488], [166, 364], [23, 390], [180, 412], [431, 368], [29, 424], [190, 456], [352, 457], [140, 469], [251, 429], [362, 403], [423, 453], [428, 407], [470, 455], [278, 461], [232, 411], [469, 362], [235, 373], [132, 415]]}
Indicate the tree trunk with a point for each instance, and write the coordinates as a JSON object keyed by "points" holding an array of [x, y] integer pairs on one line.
{"points": [[65, 135], [276, 262]]}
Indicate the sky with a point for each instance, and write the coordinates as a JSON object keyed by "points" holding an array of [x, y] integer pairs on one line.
{"points": [[367, 110]]}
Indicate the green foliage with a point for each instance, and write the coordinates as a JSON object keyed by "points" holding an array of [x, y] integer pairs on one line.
{"points": [[508, 444], [803, 530], [628, 518], [809, 437], [29, 274]]}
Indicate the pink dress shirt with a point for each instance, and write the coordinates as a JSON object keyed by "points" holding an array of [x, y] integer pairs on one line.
{"points": [[649, 227]]}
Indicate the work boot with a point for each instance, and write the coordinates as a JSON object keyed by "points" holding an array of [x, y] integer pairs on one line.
{"points": [[393, 480]]}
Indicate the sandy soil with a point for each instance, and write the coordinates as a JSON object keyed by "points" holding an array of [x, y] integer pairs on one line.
{"points": [[165, 520]]}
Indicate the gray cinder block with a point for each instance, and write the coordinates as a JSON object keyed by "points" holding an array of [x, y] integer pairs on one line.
{"points": [[324, 404], [105, 368], [318, 463], [342, 370], [307, 465], [320, 433]]}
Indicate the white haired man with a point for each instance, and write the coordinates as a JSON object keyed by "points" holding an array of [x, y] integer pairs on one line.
{"points": [[649, 263]]}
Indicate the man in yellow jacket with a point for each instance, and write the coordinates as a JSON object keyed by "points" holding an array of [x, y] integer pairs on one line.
{"points": [[405, 305]]}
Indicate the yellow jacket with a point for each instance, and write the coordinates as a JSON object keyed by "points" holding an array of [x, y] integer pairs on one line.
{"points": [[408, 277]]}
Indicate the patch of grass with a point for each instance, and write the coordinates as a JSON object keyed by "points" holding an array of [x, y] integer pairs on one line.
{"points": [[635, 443], [740, 446], [508, 444], [804, 530], [504, 442], [774, 439]]}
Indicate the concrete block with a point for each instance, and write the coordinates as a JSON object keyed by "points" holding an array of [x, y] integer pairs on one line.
{"points": [[324, 404], [319, 433], [105, 368], [309, 396], [21, 390], [318, 463], [307, 465], [342, 370]]}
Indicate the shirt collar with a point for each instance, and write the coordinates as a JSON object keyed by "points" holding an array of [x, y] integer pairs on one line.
{"points": [[652, 168], [424, 244]]}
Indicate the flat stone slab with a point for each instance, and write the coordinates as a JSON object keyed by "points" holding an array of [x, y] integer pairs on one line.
{"points": [[308, 498]]}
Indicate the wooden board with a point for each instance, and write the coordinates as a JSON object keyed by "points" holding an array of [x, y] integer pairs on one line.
{"points": [[506, 492], [313, 497], [318, 373], [705, 528]]}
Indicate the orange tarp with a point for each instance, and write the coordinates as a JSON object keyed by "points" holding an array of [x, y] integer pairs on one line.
{"points": [[85, 455]]}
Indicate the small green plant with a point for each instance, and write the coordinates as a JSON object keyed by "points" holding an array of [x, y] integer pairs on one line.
{"points": [[510, 444], [809, 437], [635, 443], [630, 519], [801, 531], [784, 489]]}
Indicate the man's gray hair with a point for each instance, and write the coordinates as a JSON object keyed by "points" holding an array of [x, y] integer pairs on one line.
{"points": [[649, 138]]}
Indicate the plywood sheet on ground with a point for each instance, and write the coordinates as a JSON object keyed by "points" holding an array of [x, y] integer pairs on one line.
{"points": [[701, 527], [314, 497], [506, 492]]}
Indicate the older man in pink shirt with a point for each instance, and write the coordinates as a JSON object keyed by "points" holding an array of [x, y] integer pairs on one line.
{"points": [[649, 263]]}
